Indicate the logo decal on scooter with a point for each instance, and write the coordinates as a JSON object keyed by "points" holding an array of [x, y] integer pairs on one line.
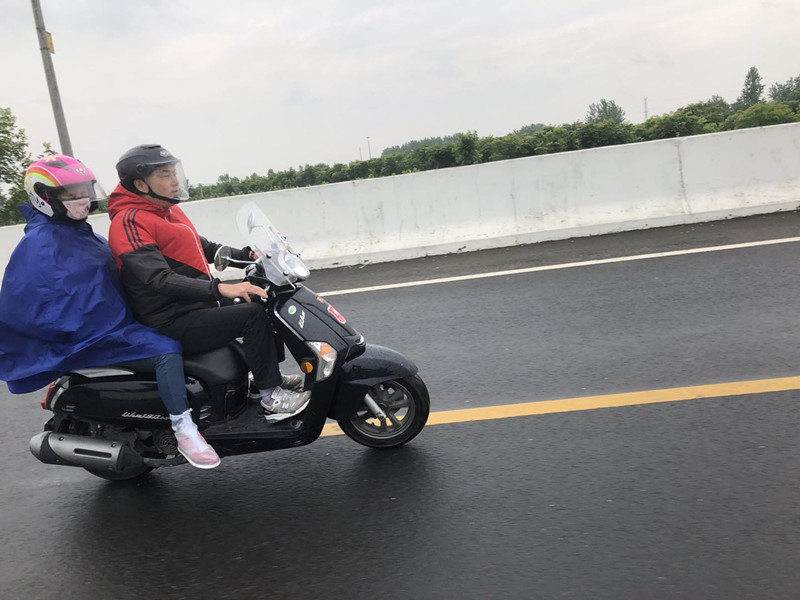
{"points": [[302, 318], [339, 317], [292, 309], [135, 415]]}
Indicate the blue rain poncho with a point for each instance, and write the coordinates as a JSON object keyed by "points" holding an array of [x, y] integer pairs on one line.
{"points": [[62, 307]]}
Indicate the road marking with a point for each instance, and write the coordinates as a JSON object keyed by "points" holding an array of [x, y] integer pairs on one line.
{"points": [[545, 407], [586, 263]]}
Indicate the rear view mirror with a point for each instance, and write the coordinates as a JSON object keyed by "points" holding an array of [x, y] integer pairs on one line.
{"points": [[222, 258]]}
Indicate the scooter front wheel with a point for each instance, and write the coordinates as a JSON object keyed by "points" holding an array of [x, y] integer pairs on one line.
{"points": [[406, 404]]}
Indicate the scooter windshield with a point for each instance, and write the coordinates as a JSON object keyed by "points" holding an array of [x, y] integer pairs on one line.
{"points": [[281, 265]]}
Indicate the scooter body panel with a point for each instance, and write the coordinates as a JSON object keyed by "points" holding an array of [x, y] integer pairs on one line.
{"points": [[295, 309], [132, 400], [121, 397]]}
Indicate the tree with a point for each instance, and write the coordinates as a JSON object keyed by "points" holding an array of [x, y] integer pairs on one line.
{"points": [[563, 138], [605, 110], [467, 148], [603, 133], [528, 129], [760, 115], [491, 148], [752, 92], [393, 164], [786, 92], [413, 145], [427, 158], [14, 159], [672, 125], [713, 112]]}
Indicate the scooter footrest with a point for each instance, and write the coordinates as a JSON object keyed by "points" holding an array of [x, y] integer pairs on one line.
{"points": [[251, 423]]}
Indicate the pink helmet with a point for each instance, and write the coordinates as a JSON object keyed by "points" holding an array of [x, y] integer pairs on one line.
{"points": [[47, 177]]}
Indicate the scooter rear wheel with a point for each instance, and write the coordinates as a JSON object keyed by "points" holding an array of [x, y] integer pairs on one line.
{"points": [[407, 405], [125, 475]]}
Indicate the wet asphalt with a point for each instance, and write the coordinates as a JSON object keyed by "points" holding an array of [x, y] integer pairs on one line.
{"points": [[695, 499]]}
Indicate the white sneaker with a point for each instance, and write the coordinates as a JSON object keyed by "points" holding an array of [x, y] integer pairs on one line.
{"points": [[282, 404], [191, 444], [292, 382], [196, 450], [288, 382]]}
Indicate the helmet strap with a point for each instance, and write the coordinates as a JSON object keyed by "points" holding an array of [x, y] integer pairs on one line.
{"points": [[150, 192]]}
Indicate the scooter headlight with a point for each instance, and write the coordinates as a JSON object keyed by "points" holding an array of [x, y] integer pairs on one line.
{"points": [[326, 359]]}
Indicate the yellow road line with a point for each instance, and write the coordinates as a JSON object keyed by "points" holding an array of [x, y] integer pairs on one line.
{"points": [[526, 409]]}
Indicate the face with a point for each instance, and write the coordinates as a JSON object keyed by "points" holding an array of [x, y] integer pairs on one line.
{"points": [[77, 199], [163, 181]]}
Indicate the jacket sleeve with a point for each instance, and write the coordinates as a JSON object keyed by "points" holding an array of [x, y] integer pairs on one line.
{"points": [[147, 266], [210, 250]]}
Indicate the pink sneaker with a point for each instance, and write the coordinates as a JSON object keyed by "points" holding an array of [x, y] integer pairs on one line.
{"points": [[195, 450]]}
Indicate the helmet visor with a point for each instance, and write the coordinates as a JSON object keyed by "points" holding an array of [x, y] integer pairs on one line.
{"points": [[168, 180], [79, 199], [90, 190]]}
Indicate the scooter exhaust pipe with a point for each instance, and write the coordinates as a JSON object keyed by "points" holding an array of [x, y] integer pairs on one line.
{"points": [[80, 451]]}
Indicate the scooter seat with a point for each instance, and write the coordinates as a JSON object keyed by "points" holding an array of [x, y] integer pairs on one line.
{"points": [[217, 366], [214, 367]]}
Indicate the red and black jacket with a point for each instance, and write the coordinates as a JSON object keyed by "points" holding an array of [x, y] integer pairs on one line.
{"points": [[163, 261]]}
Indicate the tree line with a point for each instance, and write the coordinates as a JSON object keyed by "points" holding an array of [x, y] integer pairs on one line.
{"points": [[604, 125]]}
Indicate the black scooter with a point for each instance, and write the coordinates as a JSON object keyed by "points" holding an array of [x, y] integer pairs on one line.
{"points": [[111, 420]]}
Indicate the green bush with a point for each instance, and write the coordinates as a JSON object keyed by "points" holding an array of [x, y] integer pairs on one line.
{"points": [[762, 114], [677, 124]]}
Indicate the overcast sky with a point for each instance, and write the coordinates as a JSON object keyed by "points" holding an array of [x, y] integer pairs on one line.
{"points": [[244, 86]]}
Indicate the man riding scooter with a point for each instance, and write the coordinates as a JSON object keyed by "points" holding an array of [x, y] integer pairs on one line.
{"points": [[163, 264]]}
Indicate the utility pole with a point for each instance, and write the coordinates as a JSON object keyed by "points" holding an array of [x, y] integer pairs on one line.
{"points": [[645, 108], [369, 150], [55, 99]]}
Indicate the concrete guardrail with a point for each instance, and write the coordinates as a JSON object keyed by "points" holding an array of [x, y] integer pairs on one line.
{"points": [[525, 200]]}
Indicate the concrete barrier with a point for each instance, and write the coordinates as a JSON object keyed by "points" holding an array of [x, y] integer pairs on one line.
{"points": [[557, 196]]}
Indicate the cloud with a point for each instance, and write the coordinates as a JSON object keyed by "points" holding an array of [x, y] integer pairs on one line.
{"points": [[245, 86]]}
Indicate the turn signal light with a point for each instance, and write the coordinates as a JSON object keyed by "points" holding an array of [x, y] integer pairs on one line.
{"points": [[326, 358], [306, 367]]}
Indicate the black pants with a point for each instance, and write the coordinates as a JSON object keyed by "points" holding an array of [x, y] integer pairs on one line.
{"points": [[208, 328]]}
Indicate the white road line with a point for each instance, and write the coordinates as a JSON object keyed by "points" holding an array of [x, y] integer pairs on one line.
{"points": [[586, 263]]}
